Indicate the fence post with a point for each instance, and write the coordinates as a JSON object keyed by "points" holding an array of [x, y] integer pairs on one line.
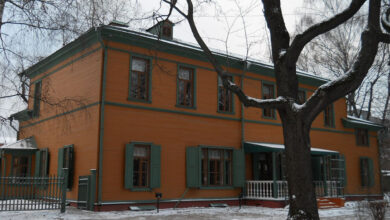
{"points": [[92, 191], [64, 188]]}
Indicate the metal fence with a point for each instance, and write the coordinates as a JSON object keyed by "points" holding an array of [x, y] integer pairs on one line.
{"points": [[33, 193]]}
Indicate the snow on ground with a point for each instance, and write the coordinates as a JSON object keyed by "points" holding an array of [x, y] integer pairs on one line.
{"points": [[231, 213]]}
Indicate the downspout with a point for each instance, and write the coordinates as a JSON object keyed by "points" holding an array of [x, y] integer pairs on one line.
{"points": [[242, 106], [243, 189], [101, 126]]}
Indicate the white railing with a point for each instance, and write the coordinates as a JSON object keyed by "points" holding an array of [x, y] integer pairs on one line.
{"points": [[267, 190]]}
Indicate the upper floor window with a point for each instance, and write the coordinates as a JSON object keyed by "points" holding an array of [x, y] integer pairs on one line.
{"points": [[329, 116], [216, 167], [268, 90], [185, 87], [37, 98], [139, 79], [301, 96], [362, 137], [225, 97]]}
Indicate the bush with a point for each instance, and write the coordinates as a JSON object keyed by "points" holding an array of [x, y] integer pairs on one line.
{"points": [[375, 209], [378, 209]]}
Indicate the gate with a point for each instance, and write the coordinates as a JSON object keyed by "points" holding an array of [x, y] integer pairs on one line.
{"points": [[33, 193], [86, 194]]}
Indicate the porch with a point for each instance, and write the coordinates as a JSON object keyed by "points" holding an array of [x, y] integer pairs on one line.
{"points": [[268, 172]]}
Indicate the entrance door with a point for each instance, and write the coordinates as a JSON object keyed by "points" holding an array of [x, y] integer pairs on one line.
{"points": [[262, 166]]}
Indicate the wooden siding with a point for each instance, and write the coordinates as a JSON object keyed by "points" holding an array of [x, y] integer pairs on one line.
{"points": [[76, 122]]}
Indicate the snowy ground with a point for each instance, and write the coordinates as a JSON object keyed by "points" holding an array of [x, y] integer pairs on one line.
{"points": [[246, 212]]}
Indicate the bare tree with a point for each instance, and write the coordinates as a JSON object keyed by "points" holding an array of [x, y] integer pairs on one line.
{"points": [[296, 118], [333, 53], [53, 24]]}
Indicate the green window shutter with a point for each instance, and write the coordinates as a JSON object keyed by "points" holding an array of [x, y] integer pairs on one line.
{"points": [[370, 173], [343, 165], [60, 161], [238, 168], [155, 166], [129, 166], [38, 162], [71, 165], [193, 172], [46, 152]]}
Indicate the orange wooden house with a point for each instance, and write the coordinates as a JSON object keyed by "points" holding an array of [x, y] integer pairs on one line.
{"points": [[149, 114]]}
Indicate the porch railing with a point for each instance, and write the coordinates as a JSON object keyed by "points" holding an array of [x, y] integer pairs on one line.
{"points": [[278, 189], [33, 193]]}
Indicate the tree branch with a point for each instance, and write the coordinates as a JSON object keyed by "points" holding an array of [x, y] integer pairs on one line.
{"points": [[280, 37], [301, 40], [347, 83]]}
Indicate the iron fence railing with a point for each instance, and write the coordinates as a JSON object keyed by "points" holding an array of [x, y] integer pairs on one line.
{"points": [[33, 193]]}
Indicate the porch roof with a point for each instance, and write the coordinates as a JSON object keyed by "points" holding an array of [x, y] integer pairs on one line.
{"points": [[24, 144], [257, 147]]}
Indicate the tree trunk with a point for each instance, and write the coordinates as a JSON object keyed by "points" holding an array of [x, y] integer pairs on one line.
{"points": [[302, 198], [2, 5]]}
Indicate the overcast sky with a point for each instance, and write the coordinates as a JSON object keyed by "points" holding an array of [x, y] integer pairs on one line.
{"points": [[221, 22]]}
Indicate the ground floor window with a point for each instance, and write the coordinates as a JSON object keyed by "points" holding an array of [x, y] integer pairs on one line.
{"points": [[41, 162], [214, 167], [366, 172], [142, 166], [65, 160], [20, 166]]}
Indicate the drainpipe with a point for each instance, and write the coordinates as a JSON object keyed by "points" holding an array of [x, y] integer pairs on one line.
{"points": [[101, 126]]}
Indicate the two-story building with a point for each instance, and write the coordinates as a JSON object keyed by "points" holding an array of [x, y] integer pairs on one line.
{"points": [[150, 115]]}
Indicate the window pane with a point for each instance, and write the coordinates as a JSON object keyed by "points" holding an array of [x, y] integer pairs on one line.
{"points": [[301, 97], [138, 65], [184, 74], [214, 154]]}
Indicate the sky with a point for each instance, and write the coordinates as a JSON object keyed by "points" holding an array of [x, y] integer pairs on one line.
{"points": [[221, 22]]}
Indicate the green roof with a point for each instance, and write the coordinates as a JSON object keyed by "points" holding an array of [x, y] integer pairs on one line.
{"points": [[147, 40], [353, 122]]}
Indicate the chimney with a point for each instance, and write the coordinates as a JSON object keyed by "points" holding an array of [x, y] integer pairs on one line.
{"points": [[116, 23], [163, 29]]}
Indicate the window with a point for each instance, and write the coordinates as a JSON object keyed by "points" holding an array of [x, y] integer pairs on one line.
{"points": [[268, 93], [185, 87], [167, 31], [367, 174], [20, 166], [37, 98], [225, 97], [329, 116], [362, 137], [142, 166], [41, 162], [214, 167], [65, 160], [139, 79], [301, 96]]}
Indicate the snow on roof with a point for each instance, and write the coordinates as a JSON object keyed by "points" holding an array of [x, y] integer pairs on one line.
{"points": [[281, 147], [178, 42], [24, 144], [362, 121]]}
